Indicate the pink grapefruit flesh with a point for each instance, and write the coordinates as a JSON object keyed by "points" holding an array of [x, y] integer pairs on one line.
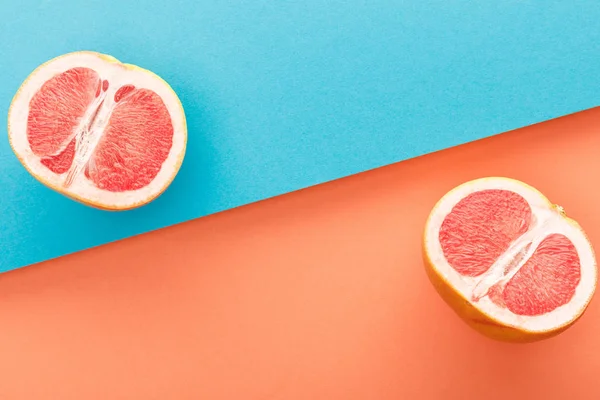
{"points": [[509, 261], [108, 134]]}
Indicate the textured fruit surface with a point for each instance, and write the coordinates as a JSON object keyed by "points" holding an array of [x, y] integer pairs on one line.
{"points": [[481, 227], [54, 115], [508, 261], [107, 134], [135, 143]]}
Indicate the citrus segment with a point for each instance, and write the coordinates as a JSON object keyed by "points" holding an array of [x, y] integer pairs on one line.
{"points": [[547, 280], [508, 261], [54, 114], [481, 227], [135, 143]]}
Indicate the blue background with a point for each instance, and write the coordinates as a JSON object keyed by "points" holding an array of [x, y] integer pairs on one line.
{"points": [[281, 95]]}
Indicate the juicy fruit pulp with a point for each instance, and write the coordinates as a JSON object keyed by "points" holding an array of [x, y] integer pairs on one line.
{"points": [[482, 227], [111, 135], [508, 261], [120, 142]]}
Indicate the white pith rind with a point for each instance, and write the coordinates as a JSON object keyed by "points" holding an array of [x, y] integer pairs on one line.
{"points": [[541, 208], [117, 74]]}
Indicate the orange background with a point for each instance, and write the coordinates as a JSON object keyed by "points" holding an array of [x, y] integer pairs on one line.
{"points": [[319, 294]]}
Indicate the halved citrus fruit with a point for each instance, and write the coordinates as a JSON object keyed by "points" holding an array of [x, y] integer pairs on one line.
{"points": [[509, 261], [108, 134]]}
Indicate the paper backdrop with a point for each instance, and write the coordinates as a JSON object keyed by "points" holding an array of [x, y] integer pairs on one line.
{"points": [[281, 95]]}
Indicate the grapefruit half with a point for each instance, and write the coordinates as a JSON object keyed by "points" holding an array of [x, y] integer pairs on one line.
{"points": [[107, 134], [509, 261]]}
